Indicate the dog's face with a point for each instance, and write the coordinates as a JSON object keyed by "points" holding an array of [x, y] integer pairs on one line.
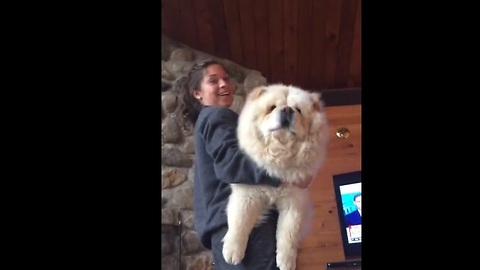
{"points": [[284, 112], [284, 129]]}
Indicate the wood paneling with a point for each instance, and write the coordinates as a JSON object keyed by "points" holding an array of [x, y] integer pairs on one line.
{"points": [[332, 33], [355, 73], [204, 27], [324, 243], [314, 44], [260, 13], [247, 26], [275, 36], [317, 51], [171, 21], [304, 46], [188, 22], [345, 41], [232, 21], [219, 28], [290, 24]]}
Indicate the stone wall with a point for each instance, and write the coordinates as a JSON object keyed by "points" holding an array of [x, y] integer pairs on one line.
{"points": [[180, 246]]}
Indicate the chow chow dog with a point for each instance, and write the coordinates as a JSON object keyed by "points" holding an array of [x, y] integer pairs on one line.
{"points": [[284, 130]]}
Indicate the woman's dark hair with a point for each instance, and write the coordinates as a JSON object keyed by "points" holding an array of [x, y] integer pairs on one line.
{"points": [[191, 83]]}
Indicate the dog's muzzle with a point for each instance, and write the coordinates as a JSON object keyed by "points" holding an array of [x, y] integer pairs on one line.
{"points": [[286, 117]]}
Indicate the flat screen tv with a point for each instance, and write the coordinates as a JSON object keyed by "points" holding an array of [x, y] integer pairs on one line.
{"points": [[348, 196]]}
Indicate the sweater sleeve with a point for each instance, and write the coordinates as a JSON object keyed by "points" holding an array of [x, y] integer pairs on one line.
{"points": [[217, 127]]}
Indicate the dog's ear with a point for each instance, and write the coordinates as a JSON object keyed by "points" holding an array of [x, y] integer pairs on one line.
{"points": [[257, 92], [317, 101]]}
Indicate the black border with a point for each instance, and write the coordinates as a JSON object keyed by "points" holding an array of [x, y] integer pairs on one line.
{"points": [[100, 159], [109, 166], [94, 150]]}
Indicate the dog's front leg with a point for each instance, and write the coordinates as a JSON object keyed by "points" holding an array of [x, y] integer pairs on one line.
{"points": [[243, 211], [292, 212]]}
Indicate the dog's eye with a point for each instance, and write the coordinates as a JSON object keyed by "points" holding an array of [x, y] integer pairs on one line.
{"points": [[298, 110], [273, 107]]}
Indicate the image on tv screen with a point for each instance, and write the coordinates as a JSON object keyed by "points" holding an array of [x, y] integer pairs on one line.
{"points": [[351, 195]]}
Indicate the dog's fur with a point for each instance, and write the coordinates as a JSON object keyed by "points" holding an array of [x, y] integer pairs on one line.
{"points": [[284, 130]]}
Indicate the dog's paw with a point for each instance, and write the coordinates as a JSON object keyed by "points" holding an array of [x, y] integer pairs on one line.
{"points": [[233, 252], [285, 261]]}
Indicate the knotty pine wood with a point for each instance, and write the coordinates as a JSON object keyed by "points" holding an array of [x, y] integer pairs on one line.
{"points": [[203, 17], [345, 41], [314, 44], [290, 26], [275, 36], [324, 243], [355, 72], [317, 50], [304, 43], [247, 28], [260, 14], [232, 21]]}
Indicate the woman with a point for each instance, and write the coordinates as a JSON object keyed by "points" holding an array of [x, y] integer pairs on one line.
{"points": [[218, 163]]}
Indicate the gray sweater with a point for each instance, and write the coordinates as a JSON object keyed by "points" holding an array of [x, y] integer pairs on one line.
{"points": [[219, 162]]}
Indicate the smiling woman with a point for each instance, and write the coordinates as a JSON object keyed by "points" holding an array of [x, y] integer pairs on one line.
{"points": [[215, 88], [219, 162], [207, 84], [208, 94]]}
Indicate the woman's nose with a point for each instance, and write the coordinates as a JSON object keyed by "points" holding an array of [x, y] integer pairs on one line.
{"points": [[222, 83]]}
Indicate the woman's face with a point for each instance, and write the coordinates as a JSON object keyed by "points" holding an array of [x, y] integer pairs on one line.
{"points": [[216, 89]]}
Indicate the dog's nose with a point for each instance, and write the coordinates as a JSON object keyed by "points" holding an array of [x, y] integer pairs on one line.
{"points": [[286, 115], [288, 110]]}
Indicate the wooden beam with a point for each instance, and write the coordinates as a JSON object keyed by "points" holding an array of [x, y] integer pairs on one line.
{"points": [[342, 97]]}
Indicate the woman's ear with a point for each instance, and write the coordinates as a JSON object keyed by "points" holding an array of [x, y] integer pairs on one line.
{"points": [[196, 94]]}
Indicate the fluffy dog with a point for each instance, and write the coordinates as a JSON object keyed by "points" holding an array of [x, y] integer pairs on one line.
{"points": [[284, 130]]}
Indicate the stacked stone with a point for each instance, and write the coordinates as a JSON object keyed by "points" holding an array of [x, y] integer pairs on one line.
{"points": [[181, 247]]}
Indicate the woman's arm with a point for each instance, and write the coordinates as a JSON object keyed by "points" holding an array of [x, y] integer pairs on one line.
{"points": [[217, 128]]}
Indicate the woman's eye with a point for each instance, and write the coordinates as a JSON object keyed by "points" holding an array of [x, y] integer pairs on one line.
{"points": [[273, 107], [298, 110]]}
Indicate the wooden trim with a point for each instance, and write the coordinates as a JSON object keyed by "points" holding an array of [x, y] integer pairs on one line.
{"points": [[342, 97]]}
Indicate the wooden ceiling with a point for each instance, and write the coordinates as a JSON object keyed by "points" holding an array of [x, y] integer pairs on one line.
{"points": [[314, 44]]}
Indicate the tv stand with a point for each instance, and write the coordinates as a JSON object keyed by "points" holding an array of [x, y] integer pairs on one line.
{"points": [[355, 264]]}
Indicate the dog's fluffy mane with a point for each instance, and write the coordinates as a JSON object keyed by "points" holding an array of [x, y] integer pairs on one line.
{"points": [[289, 157]]}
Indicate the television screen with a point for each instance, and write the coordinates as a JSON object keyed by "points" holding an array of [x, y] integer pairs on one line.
{"points": [[348, 195]]}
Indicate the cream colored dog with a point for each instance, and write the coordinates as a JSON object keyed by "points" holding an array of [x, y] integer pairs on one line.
{"points": [[284, 130]]}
